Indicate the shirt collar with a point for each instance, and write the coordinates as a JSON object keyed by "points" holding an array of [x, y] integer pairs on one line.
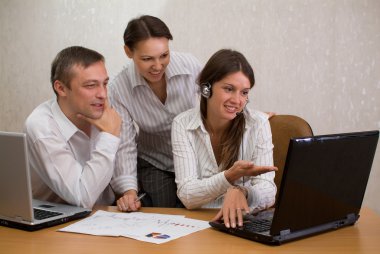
{"points": [[249, 120], [67, 127], [176, 67], [136, 78], [196, 122]]}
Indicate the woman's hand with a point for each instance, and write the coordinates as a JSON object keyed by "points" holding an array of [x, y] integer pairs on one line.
{"points": [[128, 203], [246, 168], [234, 206]]}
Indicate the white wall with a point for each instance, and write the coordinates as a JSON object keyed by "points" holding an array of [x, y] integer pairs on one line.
{"points": [[316, 59]]}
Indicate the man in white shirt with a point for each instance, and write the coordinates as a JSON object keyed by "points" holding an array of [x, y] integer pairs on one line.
{"points": [[74, 137]]}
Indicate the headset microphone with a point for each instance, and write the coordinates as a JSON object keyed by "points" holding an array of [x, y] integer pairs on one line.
{"points": [[242, 111]]}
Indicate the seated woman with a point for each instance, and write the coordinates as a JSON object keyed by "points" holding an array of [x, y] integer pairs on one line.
{"points": [[223, 152]]}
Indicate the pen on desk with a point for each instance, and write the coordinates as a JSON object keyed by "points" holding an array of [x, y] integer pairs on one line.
{"points": [[140, 197]]}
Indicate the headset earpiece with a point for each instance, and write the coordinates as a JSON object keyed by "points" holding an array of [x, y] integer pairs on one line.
{"points": [[206, 90]]}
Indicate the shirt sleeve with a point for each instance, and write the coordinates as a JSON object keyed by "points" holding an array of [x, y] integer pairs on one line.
{"points": [[77, 184], [193, 190], [125, 173], [262, 189]]}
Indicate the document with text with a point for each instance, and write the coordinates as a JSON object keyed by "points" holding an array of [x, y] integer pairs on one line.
{"points": [[147, 227]]}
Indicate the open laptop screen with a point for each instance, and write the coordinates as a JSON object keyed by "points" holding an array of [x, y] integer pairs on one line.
{"points": [[325, 179], [15, 188]]}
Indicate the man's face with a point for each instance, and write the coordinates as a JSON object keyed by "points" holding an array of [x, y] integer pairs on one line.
{"points": [[87, 92]]}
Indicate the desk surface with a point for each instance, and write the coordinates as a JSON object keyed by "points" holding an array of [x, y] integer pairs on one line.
{"points": [[363, 237]]}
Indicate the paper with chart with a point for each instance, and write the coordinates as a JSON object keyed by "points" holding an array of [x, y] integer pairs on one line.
{"points": [[148, 227]]}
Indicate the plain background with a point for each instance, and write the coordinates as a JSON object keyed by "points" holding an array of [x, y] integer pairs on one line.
{"points": [[318, 59]]}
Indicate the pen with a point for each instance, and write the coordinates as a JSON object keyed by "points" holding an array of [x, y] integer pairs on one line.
{"points": [[140, 197]]}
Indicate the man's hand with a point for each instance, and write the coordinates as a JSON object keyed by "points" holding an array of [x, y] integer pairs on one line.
{"points": [[110, 121], [128, 203]]}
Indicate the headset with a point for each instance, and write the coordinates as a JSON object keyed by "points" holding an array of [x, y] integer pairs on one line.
{"points": [[206, 90]]}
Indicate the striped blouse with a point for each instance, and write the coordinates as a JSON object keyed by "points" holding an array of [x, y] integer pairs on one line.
{"points": [[200, 182], [138, 106]]}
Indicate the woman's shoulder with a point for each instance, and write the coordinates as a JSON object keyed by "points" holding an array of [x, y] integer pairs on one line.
{"points": [[124, 78], [184, 59], [187, 115], [256, 116]]}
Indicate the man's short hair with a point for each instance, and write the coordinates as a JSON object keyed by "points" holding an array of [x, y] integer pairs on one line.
{"points": [[61, 67]]}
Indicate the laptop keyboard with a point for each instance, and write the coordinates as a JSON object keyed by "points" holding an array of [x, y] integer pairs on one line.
{"points": [[257, 225], [40, 214]]}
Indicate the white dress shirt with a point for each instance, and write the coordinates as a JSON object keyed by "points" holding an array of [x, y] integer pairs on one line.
{"points": [[200, 181], [136, 103], [68, 166]]}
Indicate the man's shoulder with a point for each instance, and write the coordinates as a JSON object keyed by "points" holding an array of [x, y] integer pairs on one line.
{"points": [[40, 112], [39, 121]]}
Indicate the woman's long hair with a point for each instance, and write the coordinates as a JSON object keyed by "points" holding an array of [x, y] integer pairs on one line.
{"points": [[221, 64]]}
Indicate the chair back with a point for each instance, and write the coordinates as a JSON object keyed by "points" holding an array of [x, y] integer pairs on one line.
{"points": [[285, 127]]}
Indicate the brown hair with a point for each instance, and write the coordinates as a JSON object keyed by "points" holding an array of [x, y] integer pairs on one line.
{"points": [[220, 65], [145, 27], [61, 67]]}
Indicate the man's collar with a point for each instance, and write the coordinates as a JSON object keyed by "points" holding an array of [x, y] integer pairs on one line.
{"points": [[67, 127]]}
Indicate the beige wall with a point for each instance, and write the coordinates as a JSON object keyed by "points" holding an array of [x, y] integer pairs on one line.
{"points": [[319, 59]]}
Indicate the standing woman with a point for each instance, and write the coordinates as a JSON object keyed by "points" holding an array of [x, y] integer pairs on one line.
{"points": [[223, 152], [149, 92]]}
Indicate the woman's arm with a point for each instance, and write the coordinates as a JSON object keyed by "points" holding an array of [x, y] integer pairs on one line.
{"points": [[194, 189]]}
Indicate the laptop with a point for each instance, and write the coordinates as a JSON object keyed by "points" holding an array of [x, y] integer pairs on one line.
{"points": [[322, 189], [17, 208]]}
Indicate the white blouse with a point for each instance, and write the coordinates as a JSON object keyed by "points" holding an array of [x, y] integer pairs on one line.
{"points": [[200, 181]]}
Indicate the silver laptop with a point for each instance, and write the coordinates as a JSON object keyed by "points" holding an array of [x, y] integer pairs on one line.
{"points": [[17, 208], [322, 188]]}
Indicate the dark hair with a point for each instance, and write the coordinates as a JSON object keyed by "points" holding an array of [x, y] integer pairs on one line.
{"points": [[221, 64], [145, 27], [61, 67]]}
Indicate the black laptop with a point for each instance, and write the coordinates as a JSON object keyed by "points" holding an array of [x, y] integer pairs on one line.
{"points": [[322, 188], [17, 208]]}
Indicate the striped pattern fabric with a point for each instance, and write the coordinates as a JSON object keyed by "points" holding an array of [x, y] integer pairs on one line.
{"points": [[199, 179], [138, 106], [159, 186]]}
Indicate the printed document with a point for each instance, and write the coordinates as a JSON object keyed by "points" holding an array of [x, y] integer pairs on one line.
{"points": [[148, 227]]}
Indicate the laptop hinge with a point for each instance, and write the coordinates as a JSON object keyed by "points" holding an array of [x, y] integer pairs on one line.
{"points": [[351, 216], [284, 232]]}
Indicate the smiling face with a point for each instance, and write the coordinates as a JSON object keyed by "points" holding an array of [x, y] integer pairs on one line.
{"points": [[229, 96], [151, 58], [86, 93]]}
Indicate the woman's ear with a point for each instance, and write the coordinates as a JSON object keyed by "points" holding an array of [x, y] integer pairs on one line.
{"points": [[128, 51]]}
